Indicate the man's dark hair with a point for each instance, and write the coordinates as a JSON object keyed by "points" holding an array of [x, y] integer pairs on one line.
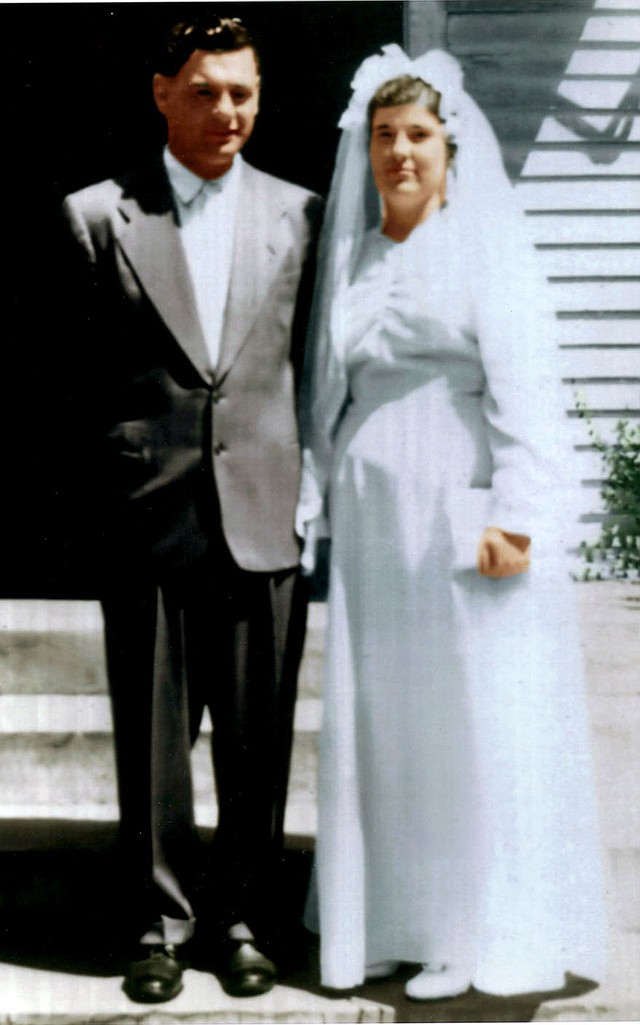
{"points": [[206, 32]]}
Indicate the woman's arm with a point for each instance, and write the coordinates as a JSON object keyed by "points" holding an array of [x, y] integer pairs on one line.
{"points": [[526, 424]]}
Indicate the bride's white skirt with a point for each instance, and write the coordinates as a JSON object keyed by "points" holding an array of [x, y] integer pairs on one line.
{"points": [[457, 818]]}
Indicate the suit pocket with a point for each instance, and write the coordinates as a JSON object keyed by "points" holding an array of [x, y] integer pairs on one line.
{"points": [[130, 454]]}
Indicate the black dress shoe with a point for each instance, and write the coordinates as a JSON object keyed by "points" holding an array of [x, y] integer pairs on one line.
{"points": [[156, 976], [245, 970]]}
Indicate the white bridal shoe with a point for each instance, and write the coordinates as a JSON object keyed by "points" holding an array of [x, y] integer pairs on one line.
{"points": [[437, 983], [381, 969]]}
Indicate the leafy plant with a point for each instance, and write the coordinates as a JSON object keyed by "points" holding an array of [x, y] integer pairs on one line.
{"points": [[616, 553]]}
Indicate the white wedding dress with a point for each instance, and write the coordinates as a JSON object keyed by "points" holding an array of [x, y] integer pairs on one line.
{"points": [[457, 819]]}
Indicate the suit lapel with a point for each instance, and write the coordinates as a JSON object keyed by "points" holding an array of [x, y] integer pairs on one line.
{"points": [[151, 241], [254, 253]]}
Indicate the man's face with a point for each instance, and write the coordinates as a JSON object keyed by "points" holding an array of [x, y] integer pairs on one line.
{"points": [[210, 107]]}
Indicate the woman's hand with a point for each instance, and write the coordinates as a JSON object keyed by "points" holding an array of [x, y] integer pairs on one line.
{"points": [[501, 554]]}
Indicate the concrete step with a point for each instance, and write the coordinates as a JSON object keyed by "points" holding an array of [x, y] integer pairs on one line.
{"points": [[31, 997], [65, 921], [51, 647], [56, 757], [71, 775], [56, 647]]}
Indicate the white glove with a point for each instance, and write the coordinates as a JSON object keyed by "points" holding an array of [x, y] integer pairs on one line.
{"points": [[311, 523], [314, 531]]}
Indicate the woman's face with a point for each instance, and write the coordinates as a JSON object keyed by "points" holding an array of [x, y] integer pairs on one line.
{"points": [[409, 154]]}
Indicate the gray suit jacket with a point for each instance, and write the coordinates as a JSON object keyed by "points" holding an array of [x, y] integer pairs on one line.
{"points": [[182, 441]]}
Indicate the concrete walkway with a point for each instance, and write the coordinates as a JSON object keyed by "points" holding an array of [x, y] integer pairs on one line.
{"points": [[59, 953]]}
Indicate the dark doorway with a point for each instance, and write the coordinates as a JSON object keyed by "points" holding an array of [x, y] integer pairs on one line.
{"points": [[79, 109]]}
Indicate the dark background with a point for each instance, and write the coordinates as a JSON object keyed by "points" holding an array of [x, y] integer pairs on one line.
{"points": [[78, 108]]}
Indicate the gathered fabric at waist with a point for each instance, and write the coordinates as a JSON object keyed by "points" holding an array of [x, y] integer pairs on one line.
{"points": [[408, 427], [375, 381]]}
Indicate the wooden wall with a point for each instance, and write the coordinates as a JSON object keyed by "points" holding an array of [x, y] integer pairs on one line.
{"points": [[560, 82]]}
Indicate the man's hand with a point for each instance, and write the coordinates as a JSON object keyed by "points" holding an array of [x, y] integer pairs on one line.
{"points": [[501, 554]]}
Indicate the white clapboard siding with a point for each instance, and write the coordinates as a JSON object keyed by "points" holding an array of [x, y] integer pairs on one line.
{"points": [[618, 5], [595, 296], [581, 364], [610, 28], [552, 131], [572, 330], [589, 529], [616, 394], [606, 379], [562, 163], [610, 262], [588, 462], [585, 228], [487, 29], [604, 62], [587, 498], [579, 195], [604, 424], [594, 92], [558, 81]]}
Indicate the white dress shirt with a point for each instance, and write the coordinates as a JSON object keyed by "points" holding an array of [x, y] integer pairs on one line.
{"points": [[207, 214]]}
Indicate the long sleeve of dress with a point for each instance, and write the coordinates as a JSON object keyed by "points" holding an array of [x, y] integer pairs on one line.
{"points": [[527, 426]]}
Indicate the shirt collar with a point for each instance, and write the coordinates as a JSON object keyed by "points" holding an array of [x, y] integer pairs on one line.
{"points": [[187, 185]]}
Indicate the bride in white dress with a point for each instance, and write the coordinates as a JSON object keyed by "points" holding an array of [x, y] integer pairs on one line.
{"points": [[457, 827]]}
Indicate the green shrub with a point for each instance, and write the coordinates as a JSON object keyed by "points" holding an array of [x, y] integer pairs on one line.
{"points": [[616, 553]]}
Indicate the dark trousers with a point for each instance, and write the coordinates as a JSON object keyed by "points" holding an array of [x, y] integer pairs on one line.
{"points": [[213, 637]]}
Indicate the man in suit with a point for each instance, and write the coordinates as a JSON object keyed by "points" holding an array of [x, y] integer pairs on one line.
{"points": [[189, 283]]}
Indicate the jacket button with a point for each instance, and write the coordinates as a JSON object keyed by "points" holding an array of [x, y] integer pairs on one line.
{"points": [[219, 449]]}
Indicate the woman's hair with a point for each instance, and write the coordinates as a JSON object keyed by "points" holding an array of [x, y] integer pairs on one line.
{"points": [[407, 89]]}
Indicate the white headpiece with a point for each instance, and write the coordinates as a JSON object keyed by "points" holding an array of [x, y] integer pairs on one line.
{"points": [[437, 68]]}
